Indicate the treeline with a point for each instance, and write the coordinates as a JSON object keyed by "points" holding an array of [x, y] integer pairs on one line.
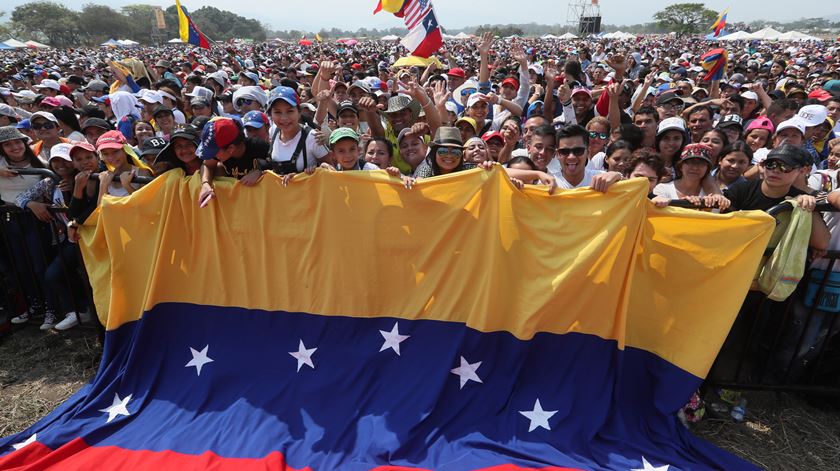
{"points": [[60, 26]]}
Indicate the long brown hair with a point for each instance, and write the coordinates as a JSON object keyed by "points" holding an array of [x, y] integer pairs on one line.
{"points": [[30, 155]]}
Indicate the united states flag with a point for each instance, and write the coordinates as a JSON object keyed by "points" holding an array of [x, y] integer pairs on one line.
{"points": [[414, 11]]}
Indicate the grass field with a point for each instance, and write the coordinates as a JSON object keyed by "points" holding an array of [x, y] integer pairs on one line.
{"points": [[781, 432]]}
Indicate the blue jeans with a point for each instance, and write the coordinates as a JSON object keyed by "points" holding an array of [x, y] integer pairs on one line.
{"points": [[25, 248], [63, 279]]}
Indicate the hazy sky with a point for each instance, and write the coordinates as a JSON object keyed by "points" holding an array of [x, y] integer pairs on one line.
{"points": [[353, 14]]}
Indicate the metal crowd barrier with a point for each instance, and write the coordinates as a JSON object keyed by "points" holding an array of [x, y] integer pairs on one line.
{"points": [[791, 345]]}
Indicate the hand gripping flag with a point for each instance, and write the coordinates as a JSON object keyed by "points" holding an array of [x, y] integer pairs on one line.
{"points": [[473, 326], [714, 62], [719, 23], [188, 30]]}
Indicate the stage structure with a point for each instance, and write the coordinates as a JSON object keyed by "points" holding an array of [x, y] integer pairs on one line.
{"points": [[584, 16]]}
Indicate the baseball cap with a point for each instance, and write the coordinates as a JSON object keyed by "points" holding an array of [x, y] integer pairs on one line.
{"points": [[61, 151], [152, 146], [469, 121], [43, 114], [360, 84], [578, 91], [81, 145], [97, 123], [511, 82], [6, 110], [25, 96], [347, 105], [24, 124], [762, 122], [406, 132], [199, 102], [343, 133], [790, 154], [255, 119], [49, 83], [110, 140], [97, 86], [730, 120], [474, 98], [820, 95], [697, 151], [457, 72], [667, 97], [203, 92], [794, 123], [249, 92], [218, 133], [286, 94], [812, 115], [160, 109], [749, 95], [668, 124], [50, 101], [251, 76], [152, 96], [537, 68], [102, 99], [492, 135]]}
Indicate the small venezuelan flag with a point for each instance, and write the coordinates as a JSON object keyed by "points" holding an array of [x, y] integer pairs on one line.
{"points": [[189, 32], [720, 23]]}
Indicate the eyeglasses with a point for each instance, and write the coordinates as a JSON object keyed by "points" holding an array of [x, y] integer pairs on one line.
{"points": [[780, 166], [598, 135], [46, 126], [578, 151], [450, 151]]}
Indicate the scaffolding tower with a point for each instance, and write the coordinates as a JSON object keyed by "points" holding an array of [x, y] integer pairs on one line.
{"points": [[584, 17]]}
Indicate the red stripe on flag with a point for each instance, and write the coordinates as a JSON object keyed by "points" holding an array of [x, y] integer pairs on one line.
{"points": [[78, 455]]}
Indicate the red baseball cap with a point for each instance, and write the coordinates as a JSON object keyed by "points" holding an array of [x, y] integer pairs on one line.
{"points": [[492, 135], [356, 66], [110, 140], [457, 72], [511, 81], [81, 145], [820, 95]]}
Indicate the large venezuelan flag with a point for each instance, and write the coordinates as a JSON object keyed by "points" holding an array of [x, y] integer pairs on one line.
{"points": [[346, 323], [187, 29]]}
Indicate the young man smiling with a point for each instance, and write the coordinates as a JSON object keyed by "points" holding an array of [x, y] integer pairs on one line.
{"points": [[573, 154]]}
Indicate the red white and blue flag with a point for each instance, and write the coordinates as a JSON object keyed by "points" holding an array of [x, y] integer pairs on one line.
{"points": [[424, 37]]}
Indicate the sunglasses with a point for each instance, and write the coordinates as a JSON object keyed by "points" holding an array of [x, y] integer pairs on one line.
{"points": [[598, 135], [450, 151], [47, 126], [244, 101], [777, 165], [578, 151]]}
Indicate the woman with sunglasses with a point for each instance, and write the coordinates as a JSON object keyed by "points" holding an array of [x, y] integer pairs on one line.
{"points": [[48, 133], [599, 134], [446, 155]]}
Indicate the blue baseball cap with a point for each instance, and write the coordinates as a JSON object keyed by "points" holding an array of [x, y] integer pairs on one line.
{"points": [[24, 124], [218, 133], [255, 119], [286, 94], [102, 99], [254, 77]]}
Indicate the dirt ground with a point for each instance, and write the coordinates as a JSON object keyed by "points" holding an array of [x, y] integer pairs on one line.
{"points": [[781, 431]]}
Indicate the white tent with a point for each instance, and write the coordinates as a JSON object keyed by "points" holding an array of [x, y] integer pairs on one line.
{"points": [[392, 37], [36, 44], [767, 34], [14, 43], [549, 36], [462, 35], [796, 36], [736, 36], [127, 42], [568, 36], [110, 43], [175, 41]]}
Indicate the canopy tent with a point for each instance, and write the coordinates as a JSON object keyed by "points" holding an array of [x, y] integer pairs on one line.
{"points": [[110, 43], [175, 41], [392, 37], [736, 36], [12, 42], [462, 35], [127, 42], [712, 37], [411, 61], [797, 36], [568, 36], [549, 36], [767, 34], [36, 45], [5, 46]]}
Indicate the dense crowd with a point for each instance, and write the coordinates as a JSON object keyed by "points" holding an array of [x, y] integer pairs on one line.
{"points": [[565, 114]]}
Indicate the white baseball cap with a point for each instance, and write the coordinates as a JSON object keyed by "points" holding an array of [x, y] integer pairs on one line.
{"points": [[61, 151], [750, 95], [795, 123], [668, 124], [812, 115], [49, 83]]}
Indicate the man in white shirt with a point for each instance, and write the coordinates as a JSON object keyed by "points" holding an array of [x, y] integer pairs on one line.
{"points": [[573, 154]]}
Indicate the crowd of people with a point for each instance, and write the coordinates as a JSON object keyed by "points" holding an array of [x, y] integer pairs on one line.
{"points": [[564, 114]]}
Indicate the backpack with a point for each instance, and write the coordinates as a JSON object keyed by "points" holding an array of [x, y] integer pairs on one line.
{"points": [[290, 166]]}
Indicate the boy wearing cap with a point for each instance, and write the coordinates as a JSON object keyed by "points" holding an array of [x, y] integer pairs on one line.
{"points": [[344, 147], [223, 142], [256, 125]]}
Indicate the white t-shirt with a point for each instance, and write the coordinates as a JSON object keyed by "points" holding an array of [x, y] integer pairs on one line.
{"points": [[282, 151], [587, 179], [760, 155], [669, 190], [597, 161]]}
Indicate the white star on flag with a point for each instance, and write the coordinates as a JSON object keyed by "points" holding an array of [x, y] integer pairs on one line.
{"points": [[467, 372], [650, 467], [199, 359], [303, 356], [31, 439], [392, 339], [538, 417], [117, 408]]}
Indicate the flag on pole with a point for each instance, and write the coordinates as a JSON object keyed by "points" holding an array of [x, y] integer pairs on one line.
{"points": [[478, 347], [424, 36], [189, 32], [720, 23], [318, 37], [391, 6]]}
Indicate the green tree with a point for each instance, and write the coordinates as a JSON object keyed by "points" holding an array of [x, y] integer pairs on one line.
{"points": [[685, 18], [48, 21], [101, 22]]}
